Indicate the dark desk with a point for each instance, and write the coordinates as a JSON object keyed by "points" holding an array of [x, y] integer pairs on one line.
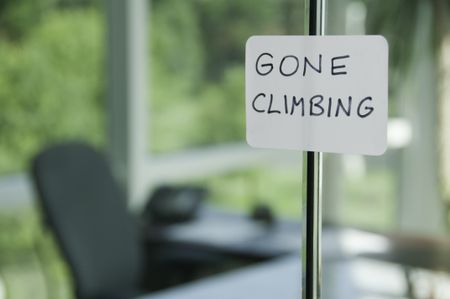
{"points": [[357, 264], [238, 235], [231, 234]]}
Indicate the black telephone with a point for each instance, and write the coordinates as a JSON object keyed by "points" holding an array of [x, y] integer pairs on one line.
{"points": [[173, 204]]}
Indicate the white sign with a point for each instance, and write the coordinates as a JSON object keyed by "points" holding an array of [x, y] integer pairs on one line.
{"points": [[317, 93]]}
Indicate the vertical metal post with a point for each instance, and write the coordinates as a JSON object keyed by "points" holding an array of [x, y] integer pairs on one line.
{"points": [[312, 187]]}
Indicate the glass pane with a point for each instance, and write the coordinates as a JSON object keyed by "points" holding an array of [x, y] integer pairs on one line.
{"points": [[408, 182], [197, 64], [51, 77], [277, 187], [51, 89]]}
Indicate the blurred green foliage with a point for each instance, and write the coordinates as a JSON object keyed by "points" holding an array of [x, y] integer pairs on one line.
{"points": [[370, 200], [52, 79], [30, 264], [51, 85], [18, 17], [277, 186], [197, 64], [16, 235]]}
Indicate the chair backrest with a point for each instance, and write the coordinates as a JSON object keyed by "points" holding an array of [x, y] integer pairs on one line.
{"points": [[87, 211]]}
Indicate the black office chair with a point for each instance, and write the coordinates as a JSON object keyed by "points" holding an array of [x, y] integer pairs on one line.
{"points": [[87, 212]]}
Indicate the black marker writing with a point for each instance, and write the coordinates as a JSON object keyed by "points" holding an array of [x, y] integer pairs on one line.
{"points": [[297, 106], [264, 65], [340, 66]]}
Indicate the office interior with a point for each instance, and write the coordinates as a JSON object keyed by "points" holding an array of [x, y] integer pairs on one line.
{"points": [[125, 172]]}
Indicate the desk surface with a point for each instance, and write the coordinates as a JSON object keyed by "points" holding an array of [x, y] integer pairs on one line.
{"points": [[269, 280], [233, 234], [357, 264], [346, 279], [237, 234]]}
